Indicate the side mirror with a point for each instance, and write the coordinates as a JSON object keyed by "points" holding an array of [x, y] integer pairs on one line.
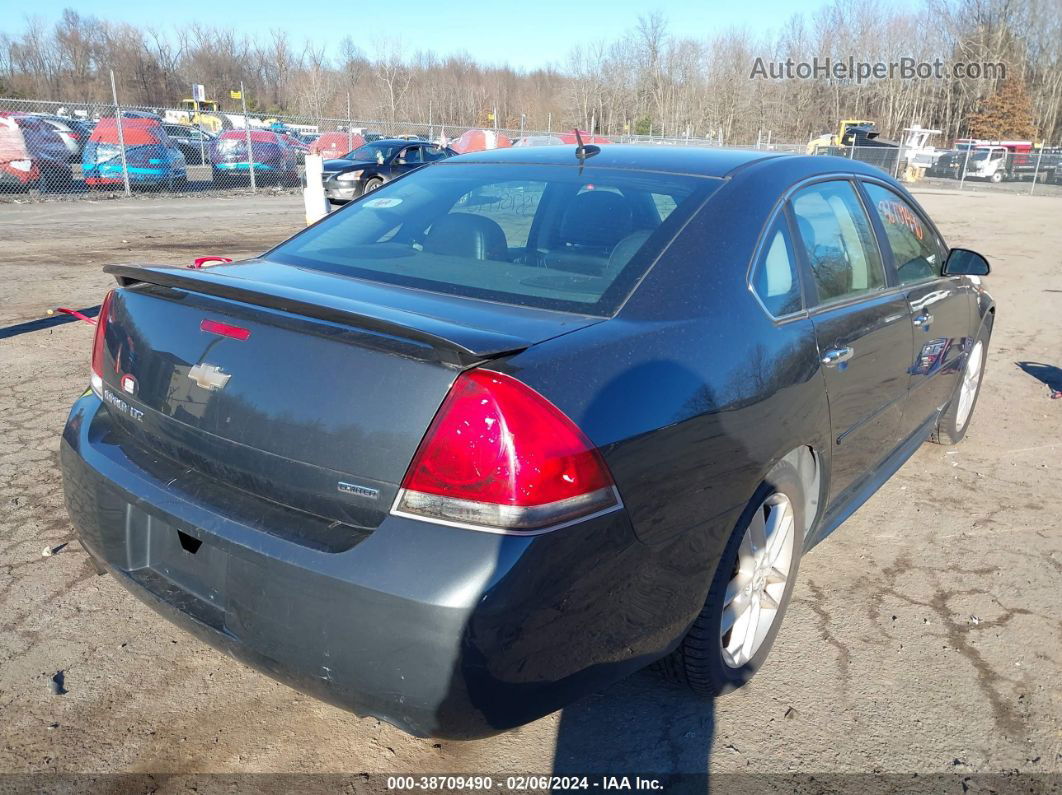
{"points": [[963, 262]]}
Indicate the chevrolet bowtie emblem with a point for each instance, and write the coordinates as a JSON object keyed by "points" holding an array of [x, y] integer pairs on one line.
{"points": [[209, 376]]}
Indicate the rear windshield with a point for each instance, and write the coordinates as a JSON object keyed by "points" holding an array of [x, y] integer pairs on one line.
{"points": [[555, 237]]}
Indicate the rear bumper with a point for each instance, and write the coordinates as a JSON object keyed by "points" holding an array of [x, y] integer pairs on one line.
{"points": [[137, 175], [440, 631], [243, 165]]}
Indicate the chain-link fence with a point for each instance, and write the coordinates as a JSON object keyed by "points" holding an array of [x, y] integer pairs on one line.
{"points": [[70, 149], [1015, 168]]}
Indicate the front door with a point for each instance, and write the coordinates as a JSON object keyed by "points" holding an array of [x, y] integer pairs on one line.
{"points": [[941, 306], [863, 329], [408, 159]]}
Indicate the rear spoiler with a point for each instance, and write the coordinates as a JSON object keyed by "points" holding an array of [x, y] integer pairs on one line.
{"points": [[450, 342]]}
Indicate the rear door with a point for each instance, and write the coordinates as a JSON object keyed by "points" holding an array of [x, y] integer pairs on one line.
{"points": [[863, 327], [941, 306]]}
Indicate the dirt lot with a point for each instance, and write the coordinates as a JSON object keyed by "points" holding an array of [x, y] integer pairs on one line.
{"points": [[924, 635]]}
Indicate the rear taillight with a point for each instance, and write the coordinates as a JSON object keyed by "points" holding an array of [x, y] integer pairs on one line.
{"points": [[499, 456], [98, 345]]}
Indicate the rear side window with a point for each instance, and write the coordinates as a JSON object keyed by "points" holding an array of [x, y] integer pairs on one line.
{"points": [[774, 277], [917, 252], [836, 236], [555, 237]]}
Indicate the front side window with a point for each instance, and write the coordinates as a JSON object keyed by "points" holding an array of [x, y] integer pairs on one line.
{"points": [[556, 237], [836, 236], [411, 154], [917, 252], [372, 152], [774, 277]]}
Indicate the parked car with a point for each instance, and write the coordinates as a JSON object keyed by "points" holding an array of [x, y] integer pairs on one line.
{"points": [[332, 145], [272, 157], [296, 143], [370, 166], [32, 155], [193, 142], [520, 423], [480, 140], [74, 133], [152, 159]]}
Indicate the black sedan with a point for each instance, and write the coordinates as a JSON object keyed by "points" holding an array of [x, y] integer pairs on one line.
{"points": [[193, 142], [370, 166], [522, 422]]}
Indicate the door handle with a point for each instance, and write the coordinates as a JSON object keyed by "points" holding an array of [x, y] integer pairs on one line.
{"points": [[923, 319], [837, 355]]}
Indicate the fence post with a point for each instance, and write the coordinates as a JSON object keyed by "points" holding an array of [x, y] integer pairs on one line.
{"points": [[549, 124], [965, 162], [247, 138], [121, 134], [1036, 173], [313, 196], [350, 125]]}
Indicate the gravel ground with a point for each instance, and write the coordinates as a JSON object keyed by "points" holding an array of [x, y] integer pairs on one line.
{"points": [[923, 637]]}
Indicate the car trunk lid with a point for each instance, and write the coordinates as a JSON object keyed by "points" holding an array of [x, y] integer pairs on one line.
{"points": [[303, 388]]}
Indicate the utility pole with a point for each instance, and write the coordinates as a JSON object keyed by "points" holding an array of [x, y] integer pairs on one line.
{"points": [[121, 134], [247, 138], [350, 125]]}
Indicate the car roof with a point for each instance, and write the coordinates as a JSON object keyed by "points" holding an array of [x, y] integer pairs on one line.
{"points": [[396, 141], [695, 160], [703, 161]]}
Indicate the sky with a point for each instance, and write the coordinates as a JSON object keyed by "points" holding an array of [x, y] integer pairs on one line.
{"points": [[521, 33]]}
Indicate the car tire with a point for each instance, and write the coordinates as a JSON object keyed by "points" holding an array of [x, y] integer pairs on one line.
{"points": [[997, 177], [371, 184], [703, 660], [955, 419]]}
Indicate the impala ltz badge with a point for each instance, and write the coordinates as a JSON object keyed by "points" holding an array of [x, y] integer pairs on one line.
{"points": [[209, 376], [358, 490], [128, 384]]}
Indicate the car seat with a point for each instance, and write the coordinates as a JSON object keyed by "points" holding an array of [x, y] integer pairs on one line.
{"points": [[593, 223], [467, 235]]}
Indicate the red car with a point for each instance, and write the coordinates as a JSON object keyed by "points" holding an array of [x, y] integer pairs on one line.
{"points": [[32, 155], [272, 157]]}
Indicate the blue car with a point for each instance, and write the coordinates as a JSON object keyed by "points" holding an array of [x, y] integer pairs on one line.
{"points": [[152, 159]]}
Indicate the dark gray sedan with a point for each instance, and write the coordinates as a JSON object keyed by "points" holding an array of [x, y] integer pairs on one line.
{"points": [[522, 422]]}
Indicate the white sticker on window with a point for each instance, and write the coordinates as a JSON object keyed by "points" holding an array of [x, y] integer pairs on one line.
{"points": [[382, 202]]}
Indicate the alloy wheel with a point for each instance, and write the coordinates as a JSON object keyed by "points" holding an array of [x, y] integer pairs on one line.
{"points": [[971, 379], [754, 594]]}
